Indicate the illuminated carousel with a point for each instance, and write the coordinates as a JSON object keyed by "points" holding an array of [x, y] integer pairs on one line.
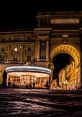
{"points": [[28, 76]]}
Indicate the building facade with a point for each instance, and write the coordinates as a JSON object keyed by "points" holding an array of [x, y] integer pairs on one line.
{"points": [[56, 32]]}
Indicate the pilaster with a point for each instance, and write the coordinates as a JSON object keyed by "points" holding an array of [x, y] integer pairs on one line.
{"points": [[47, 51], [37, 50]]}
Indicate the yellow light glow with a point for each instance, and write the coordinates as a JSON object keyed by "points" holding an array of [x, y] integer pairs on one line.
{"points": [[28, 73]]}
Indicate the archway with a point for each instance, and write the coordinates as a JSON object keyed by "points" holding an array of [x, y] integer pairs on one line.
{"points": [[60, 62], [68, 73]]}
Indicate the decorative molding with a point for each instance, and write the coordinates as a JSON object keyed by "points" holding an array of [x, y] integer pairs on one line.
{"points": [[64, 21]]}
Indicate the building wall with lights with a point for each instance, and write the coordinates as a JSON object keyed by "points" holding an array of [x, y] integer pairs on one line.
{"points": [[38, 46]]}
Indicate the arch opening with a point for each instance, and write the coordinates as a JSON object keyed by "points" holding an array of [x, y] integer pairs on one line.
{"points": [[66, 72]]}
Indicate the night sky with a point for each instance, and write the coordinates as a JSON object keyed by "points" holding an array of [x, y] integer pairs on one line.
{"points": [[21, 15]]}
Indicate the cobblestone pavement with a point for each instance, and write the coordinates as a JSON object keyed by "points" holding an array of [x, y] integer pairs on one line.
{"points": [[41, 103]]}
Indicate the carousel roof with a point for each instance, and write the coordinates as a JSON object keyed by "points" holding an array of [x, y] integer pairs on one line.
{"points": [[28, 69]]}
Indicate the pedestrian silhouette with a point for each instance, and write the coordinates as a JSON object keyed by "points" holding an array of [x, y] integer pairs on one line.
{"points": [[4, 79]]}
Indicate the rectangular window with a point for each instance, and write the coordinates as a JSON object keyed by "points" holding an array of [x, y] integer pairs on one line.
{"points": [[42, 49], [2, 57], [29, 49], [14, 58], [43, 45], [43, 55], [29, 58]]}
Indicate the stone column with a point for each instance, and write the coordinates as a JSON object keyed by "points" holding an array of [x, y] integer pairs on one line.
{"points": [[51, 77], [47, 51], [37, 50], [21, 54], [8, 55]]}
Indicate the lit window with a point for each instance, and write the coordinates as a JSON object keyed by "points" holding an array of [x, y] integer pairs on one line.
{"points": [[15, 49], [65, 35], [20, 46]]}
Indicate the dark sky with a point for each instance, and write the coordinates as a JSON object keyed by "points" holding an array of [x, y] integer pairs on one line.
{"points": [[21, 15]]}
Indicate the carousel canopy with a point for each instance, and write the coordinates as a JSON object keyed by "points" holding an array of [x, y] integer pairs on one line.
{"points": [[28, 69]]}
